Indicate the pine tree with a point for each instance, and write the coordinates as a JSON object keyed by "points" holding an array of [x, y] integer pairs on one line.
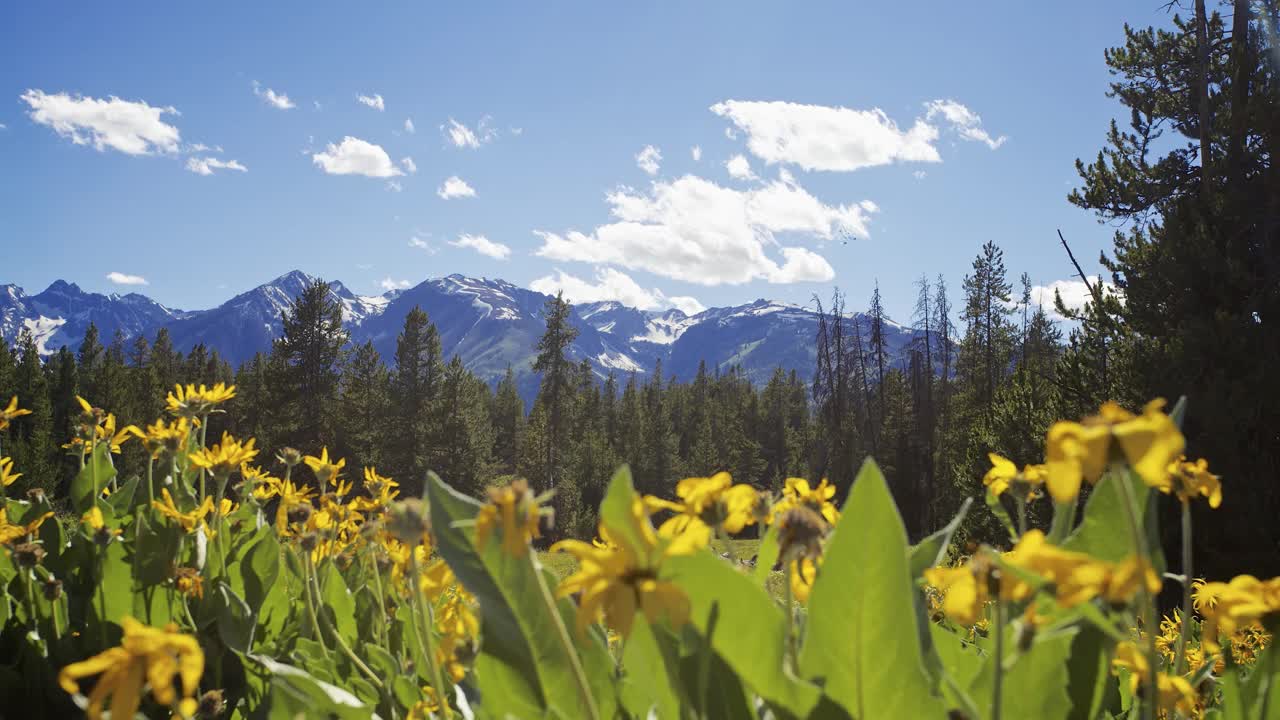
{"points": [[508, 424], [415, 393], [465, 428], [311, 344], [89, 360], [365, 404], [30, 443], [556, 385]]}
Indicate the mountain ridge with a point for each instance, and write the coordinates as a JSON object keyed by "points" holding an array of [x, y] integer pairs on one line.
{"points": [[490, 323]]}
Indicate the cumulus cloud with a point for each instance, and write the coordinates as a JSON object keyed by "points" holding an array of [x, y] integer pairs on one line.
{"points": [[464, 137], [649, 159], [482, 245], [455, 187], [1075, 294], [374, 101], [686, 304], [964, 121], [388, 284], [133, 128], [354, 156], [696, 152], [739, 168], [408, 126], [695, 230], [206, 165], [817, 137], [120, 278], [279, 101], [609, 284], [409, 165]]}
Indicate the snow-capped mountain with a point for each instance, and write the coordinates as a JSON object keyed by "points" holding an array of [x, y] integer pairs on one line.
{"points": [[490, 324], [61, 314]]}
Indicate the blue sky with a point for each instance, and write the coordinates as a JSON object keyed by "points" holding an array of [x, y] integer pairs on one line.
{"points": [[846, 177]]}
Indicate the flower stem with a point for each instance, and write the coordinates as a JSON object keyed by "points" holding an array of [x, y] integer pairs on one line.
{"points": [[1187, 575], [312, 601], [575, 662], [997, 693], [428, 627], [1148, 602], [789, 639], [382, 600], [1022, 516]]}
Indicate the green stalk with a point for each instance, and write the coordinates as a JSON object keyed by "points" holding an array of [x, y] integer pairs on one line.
{"points": [[575, 663], [151, 486], [346, 650], [997, 694], [204, 432], [1022, 515], [31, 600], [312, 602], [788, 640], [1148, 602], [382, 600], [1187, 575], [428, 645]]}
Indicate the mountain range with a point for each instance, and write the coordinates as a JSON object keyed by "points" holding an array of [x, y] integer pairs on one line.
{"points": [[491, 324]]}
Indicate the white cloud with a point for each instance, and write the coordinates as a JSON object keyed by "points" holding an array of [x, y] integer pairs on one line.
{"points": [[279, 101], [354, 156], [686, 304], [649, 159], [695, 230], [464, 137], [206, 165], [696, 152], [739, 168], [817, 137], [1075, 293], [394, 186], [482, 245], [133, 128], [374, 101], [120, 278], [919, 174], [409, 165], [388, 284], [455, 187], [964, 121], [610, 284], [421, 244], [408, 126], [3, 126]]}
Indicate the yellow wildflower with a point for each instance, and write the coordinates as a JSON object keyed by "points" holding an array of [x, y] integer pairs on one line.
{"points": [[1175, 693], [709, 505], [194, 402], [161, 437], [1081, 451], [796, 492], [326, 471], [93, 519], [11, 413], [188, 520], [224, 457], [1188, 480], [1228, 607], [1004, 475], [187, 581], [10, 532], [627, 579], [802, 572], [7, 476], [514, 509], [427, 707], [382, 491], [147, 657]]}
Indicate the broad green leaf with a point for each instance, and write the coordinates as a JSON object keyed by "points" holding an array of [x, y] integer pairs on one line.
{"points": [[1105, 533], [88, 483], [1089, 672], [122, 500], [260, 566], [339, 602], [766, 556], [296, 693], [725, 697], [518, 629], [933, 549], [750, 628], [236, 621], [155, 551], [647, 684], [861, 639], [116, 585], [1034, 683]]}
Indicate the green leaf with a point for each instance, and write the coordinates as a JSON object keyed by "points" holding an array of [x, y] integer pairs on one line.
{"points": [[647, 686], [88, 483], [766, 556], [236, 621], [115, 585], [861, 638], [997, 509], [751, 628], [521, 636], [155, 550], [1104, 533], [1034, 684], [296, 693], [1090, 681], [933, 549], [337, 599], [260, 567], [121, 501]]}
